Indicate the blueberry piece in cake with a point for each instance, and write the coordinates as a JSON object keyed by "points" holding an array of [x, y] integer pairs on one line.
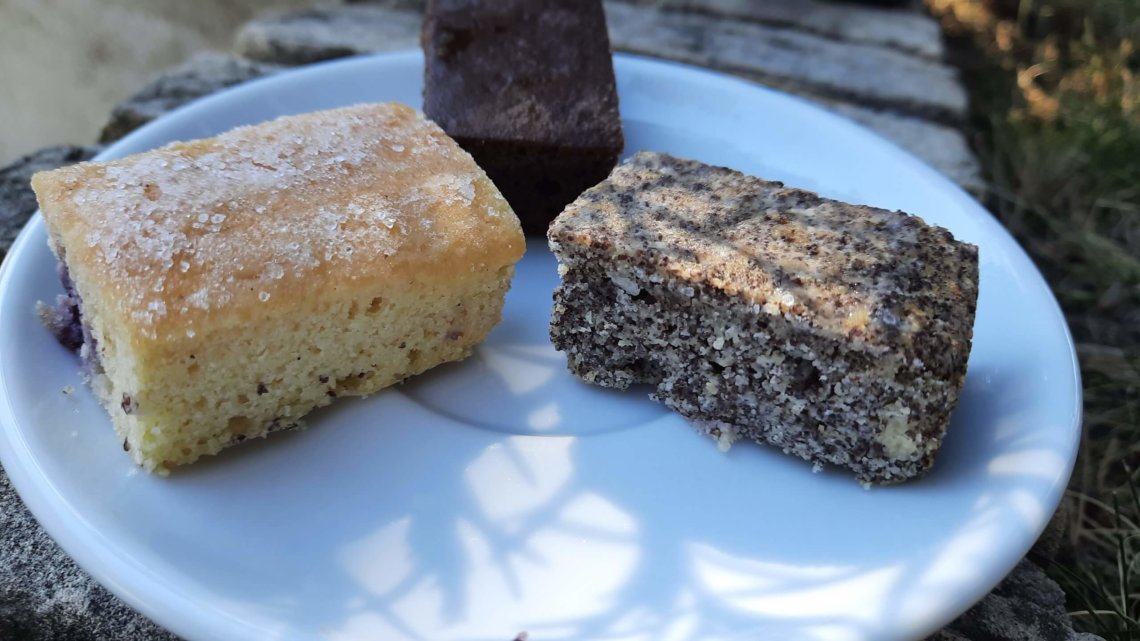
{"points": [[838, 333], [228, 286]]}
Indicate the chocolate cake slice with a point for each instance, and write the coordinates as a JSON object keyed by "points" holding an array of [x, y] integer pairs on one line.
{"points": [[527, 87], [836, 332]]}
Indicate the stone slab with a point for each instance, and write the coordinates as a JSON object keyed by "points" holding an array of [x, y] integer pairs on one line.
{"points": [[1026, 606], [17, 202], [864, 74], [45, 596], [942, 147], [199, 76], [902, 28], [327, 32]]}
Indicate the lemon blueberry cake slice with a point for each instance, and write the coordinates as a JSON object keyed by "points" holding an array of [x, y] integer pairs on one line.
{"points": [[838, 333], [225, 287]]}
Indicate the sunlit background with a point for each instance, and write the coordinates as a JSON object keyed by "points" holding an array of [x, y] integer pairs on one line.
{"points": [[64, 63], [1056, 120]]}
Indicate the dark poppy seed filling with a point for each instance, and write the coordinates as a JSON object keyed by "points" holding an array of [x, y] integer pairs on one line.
{"points": [[838, 333]]}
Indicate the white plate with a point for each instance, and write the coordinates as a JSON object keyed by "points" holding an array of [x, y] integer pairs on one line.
{"points": [[501, 495]]}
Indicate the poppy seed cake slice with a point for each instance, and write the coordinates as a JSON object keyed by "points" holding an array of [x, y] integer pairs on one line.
{"points": [[230, 285], [838, 333]]}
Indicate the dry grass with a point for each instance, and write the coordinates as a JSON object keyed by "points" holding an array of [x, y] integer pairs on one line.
{"points": [[1056, 107]]}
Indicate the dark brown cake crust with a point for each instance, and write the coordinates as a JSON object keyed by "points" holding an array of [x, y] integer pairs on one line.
{"points": [[839, 333], [527, 88]]}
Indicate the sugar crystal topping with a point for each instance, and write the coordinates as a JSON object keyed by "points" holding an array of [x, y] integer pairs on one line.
{"points": [[235, 217]]}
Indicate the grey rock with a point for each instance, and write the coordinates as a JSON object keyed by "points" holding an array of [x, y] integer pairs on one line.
{"points": [[946, 634], [864, 74], [1052, 540], [1026, 606], [903, 29], [45, 596], [942, 147], [17, 202], [327, 32], [199, 76]]}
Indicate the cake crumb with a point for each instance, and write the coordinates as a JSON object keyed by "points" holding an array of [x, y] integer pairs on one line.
{"points": [[726, 438]]}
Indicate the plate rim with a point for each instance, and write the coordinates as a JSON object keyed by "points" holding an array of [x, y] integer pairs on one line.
{"points": [[159, 601]]}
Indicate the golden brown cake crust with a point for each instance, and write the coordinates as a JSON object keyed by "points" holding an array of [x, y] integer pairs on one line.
{"points": [[311, 202]]}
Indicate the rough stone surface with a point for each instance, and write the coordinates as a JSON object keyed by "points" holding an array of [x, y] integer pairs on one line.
{"points": [[323, 33], [942, 147], [17, 202], [871, 75], [946, 634], [902, 29], [1026, 606], [45, 596], [202, 75], [410, 5], [1051, 541]]}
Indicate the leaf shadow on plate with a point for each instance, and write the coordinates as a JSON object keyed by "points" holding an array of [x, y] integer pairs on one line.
{"points": [[400, 516], [602, 536], [503, 492]]}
